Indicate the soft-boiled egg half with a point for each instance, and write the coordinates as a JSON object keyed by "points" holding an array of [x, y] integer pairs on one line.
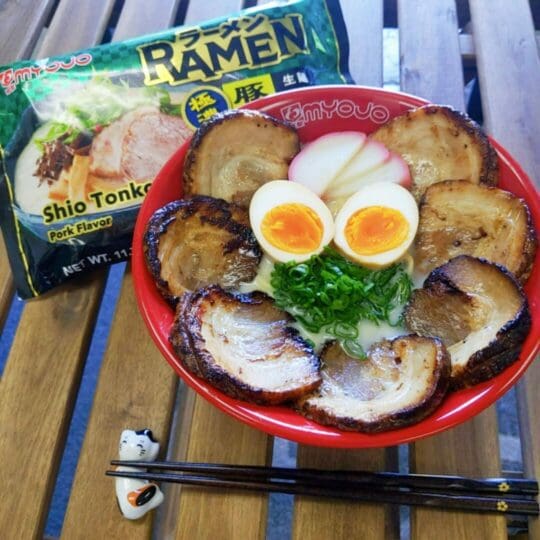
{"points": [[377, 224], [289, 221]]}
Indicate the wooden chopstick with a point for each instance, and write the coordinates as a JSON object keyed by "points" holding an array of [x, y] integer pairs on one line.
{"points": [[362, 492], [500, 495], [494, 486]]}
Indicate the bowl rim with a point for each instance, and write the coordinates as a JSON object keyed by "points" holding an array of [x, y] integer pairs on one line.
{"points": [[479, 397]]}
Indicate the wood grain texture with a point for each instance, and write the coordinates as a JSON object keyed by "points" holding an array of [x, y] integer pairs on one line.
{"points": [[201, 11], [319, 518], [37, 395], [166, 519], [466, 45], [87, 21], [364, 22], [330, 518], [431, 68], [224, 514], [6, 284], [13, 48], [470, 449], [509, 72], [136, 389], [209, 435], [49, 349], [429, 51], [529, 423], [139, 17], [21, 23]]}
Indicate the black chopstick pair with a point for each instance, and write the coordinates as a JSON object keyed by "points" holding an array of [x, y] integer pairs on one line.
{"points": [[500, 495]]}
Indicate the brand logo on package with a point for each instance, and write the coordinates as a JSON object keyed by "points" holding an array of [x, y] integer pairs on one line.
{"points": [[11, 78], [204, 54], [301, 114]]}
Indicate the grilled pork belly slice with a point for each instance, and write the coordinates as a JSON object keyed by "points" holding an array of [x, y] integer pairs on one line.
{"points": [[243, 346], [460, 218], [237, 151], [196, 242], [440, 143], [401, 382], [479, 312]]}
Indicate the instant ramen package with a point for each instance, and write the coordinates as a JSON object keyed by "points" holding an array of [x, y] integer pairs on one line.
{"points": [[82, 136]]}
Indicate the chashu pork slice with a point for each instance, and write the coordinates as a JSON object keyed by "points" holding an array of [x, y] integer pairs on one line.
{"points": [[195, 242], [401, 382], [150, 140], [137, 145], [235, 152], [108, 144], [440, 143], [460, 218], [479, 312], [244, 346]]}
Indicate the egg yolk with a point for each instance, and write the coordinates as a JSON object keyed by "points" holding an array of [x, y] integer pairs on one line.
{"points": [[376, 229], [293, 227]]}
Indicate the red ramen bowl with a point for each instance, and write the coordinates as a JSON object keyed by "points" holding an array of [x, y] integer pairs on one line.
{"points": [[316, 111]]}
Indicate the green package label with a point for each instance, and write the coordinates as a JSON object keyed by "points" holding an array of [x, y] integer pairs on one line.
{"points": [[82, 136]]}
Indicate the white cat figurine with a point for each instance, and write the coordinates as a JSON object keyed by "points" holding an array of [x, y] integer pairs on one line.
{"points": [[137, 497]]}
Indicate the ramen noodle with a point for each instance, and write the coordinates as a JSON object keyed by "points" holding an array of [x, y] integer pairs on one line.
{"points": [[82, 136]]}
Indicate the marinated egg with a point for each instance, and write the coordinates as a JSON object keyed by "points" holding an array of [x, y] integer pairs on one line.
{"points": [[377, 224], [289, 221]]}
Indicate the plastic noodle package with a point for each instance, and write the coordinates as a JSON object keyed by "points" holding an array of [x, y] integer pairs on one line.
{"points": [[83, 135]]}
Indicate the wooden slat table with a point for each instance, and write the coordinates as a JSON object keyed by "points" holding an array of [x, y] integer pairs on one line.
{"points": [[40, 383]]}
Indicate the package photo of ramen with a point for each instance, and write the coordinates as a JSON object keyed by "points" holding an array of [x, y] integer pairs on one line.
{"points": [[83, 136]]}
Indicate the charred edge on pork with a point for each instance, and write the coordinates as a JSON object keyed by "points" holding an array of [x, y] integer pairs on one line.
{"points": [[216, 212], [504, 349], [435, 391], [180, 337], [461, 218], [191, 348], [495, 355], [489, 174], [279, 131], [396, 134]]}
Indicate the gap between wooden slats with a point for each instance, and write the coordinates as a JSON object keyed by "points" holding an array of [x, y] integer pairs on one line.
{"points": [[87, 22], [17, 18], [135, 390], [209, 435], [318, 518], [136, 387], [25, 19], [38, 392], [431, 68], [48, 353], [22, 22], [6, 284], [241, 447], [47, 357], [509, 73]]}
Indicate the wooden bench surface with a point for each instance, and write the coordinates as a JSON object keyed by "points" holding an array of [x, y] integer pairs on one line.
{"points": [[136, 387]]}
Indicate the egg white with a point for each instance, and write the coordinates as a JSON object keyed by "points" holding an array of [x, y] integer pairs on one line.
{"points": [[279, 192], [385, 194]]}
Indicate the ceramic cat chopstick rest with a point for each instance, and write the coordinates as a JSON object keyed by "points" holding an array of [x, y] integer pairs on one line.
{"points": [[137, 497]]}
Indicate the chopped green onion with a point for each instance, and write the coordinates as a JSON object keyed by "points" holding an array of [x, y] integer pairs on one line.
{"points": [[331, 293], [354, 349]]}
